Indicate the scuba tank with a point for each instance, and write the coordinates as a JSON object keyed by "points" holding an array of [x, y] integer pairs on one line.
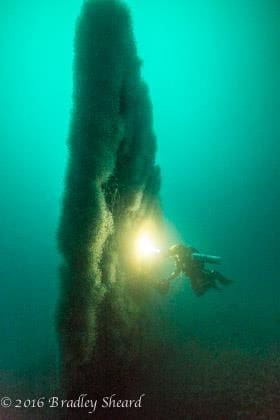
{"points": [[204, 258]]}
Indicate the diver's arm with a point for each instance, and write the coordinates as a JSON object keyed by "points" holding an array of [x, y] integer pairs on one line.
{"points": [[175, 273]]}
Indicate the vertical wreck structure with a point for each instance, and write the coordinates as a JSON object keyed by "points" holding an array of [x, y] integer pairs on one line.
{"points": [[111, 189]]}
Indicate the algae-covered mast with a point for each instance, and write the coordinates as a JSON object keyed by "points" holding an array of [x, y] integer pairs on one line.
{"points": [[111, 186]]}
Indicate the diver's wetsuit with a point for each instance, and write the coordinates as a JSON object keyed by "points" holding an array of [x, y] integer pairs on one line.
{"points": [[201, 278]]}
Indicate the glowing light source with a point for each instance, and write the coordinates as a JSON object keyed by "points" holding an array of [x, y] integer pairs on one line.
{"points": [[145, 246]]}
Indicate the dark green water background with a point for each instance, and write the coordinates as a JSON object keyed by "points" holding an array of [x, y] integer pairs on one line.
{"points": [[213, 69]]}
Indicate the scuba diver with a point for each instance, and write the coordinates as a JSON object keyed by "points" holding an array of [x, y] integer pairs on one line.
{"points": [[191, 263]]}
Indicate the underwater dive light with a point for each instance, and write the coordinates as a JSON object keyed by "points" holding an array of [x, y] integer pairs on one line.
{"points": [[145, 246]]}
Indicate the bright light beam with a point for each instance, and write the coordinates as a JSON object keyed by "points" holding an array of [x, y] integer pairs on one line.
{"points": [[145, 246]]}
